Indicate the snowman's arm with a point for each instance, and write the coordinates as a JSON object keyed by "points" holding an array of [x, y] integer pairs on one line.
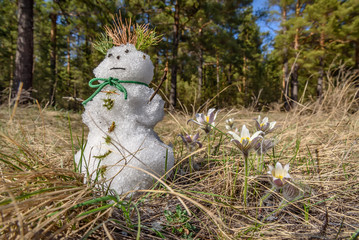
{"points": [[148, 113]]}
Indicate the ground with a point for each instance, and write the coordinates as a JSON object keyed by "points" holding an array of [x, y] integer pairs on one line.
{"points": [[43, 197]]}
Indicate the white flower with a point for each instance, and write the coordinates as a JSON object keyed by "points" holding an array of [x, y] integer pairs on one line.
{"points": [[279, 174], [245, 142], [206, 121], [191, 141], [264, 125], [230, 125], [263, 146]]}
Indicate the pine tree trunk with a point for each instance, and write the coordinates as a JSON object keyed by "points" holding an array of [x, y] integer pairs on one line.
{"points": [[294, 86], [321, 70], [294, 76], [176, 32], [229, 76], [244, 77], [320, 80], [285, 63], [53, 67], [200, 73], [217, 72], [68, 69], [25, 47]]}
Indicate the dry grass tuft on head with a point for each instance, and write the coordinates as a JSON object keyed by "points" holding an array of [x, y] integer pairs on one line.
{"points": [[126, 33], [121, 32], [42, 197]]}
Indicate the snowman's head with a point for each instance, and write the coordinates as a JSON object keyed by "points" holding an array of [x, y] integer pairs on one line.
{"points": [[126, 63]]}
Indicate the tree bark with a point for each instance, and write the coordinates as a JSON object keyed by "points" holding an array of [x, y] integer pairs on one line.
{"points": [[68, 68], [200, 73], [25, 47], [176, 36], [294, 76], [244, 70], [217, 72], [321, 69], [285, 62], [53, 67]]}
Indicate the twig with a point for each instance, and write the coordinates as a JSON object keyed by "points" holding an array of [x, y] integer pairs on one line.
{"points": [[340, 228], [164, 77], [325, 224]]}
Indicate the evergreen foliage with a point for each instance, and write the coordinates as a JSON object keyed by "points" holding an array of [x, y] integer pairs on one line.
{"points": [[215, 50]]}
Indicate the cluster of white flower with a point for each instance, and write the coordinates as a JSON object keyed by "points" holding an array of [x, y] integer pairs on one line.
{"points": [[244, 141]]}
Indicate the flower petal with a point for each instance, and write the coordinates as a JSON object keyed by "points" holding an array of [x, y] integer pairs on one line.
{"points": [[278, 166], [258, 126], [238, 144], [200, 118], [210, 111], [245, 132], [183, 139], [254, 141], [278, 182], [256, 134], [265, 120], [191, 120], [195, 137], [235, 136]]}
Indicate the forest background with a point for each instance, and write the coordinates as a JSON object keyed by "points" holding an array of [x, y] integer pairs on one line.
{"points": [[213, 49]]}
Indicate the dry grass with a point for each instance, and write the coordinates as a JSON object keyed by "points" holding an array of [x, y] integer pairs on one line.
{"points": [[40, 193]]}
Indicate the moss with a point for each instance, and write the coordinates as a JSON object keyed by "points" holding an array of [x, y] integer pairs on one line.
{"points": [[102, 170], [112, 127], [108, 103], [104, 155], [108, 139]]}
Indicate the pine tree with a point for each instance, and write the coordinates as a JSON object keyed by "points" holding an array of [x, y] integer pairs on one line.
{"points": [[25, 47]]}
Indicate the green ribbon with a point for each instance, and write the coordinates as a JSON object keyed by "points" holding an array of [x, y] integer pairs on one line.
{"points": [[109, 81]]}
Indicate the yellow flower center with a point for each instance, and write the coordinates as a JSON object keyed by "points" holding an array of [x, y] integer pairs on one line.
{"points": [[244, 138], [262, 124], [280, 177], [207, 118]]}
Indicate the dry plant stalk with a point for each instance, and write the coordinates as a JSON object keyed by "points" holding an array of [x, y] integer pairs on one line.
{"points": [[120, 32], [331, 129], [126, 33]]}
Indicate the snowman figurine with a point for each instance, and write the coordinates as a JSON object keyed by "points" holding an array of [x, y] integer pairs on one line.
{"points": [[123, 152]]}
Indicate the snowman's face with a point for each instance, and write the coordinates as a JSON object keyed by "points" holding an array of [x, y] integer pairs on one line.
{"points": [[127, 64]]}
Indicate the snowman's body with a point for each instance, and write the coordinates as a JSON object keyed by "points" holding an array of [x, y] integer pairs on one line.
{"points": [[121, 138]]}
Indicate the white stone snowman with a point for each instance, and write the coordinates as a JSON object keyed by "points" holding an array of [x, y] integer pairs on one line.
{"points": [[121, 138]]}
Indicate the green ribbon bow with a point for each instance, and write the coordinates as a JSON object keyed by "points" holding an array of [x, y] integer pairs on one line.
{"points": [[109, 81]]}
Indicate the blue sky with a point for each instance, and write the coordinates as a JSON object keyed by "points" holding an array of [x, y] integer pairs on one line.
{"points": [[263, 25]]}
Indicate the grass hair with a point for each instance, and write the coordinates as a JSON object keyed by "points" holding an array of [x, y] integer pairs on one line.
{"points": [[124, 32]]}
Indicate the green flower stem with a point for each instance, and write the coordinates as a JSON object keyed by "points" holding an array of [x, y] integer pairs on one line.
{"points": [[209, 147], [245, 179]]}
